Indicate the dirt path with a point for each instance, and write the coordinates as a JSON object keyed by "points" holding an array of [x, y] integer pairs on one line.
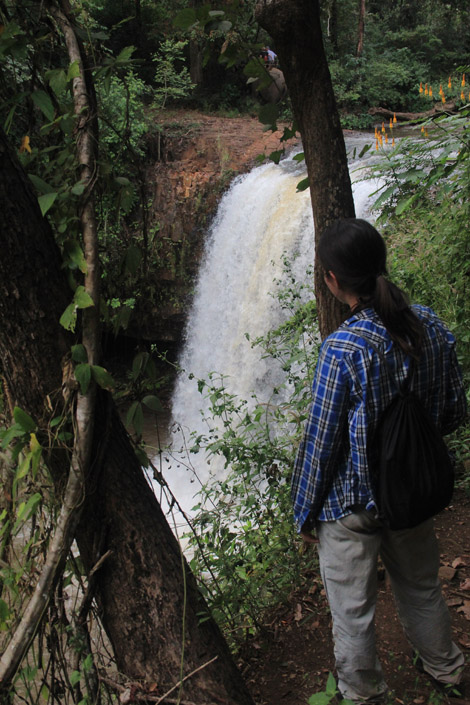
{"points": [[295, 657]]}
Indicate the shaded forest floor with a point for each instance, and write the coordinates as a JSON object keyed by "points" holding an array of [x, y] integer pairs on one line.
{"points": [[292, 660]]}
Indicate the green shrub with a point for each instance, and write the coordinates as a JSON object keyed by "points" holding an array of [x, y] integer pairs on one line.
{"points": [[244, 544]]}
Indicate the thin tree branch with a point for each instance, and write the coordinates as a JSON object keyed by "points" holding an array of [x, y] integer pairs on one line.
{"points": [[162, 698], [190, 675]]}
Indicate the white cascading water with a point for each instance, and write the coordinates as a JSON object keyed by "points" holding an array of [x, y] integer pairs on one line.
{"points": [[259, 220]]}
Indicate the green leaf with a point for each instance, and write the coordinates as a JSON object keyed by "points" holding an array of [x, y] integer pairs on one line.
{"points": [[65, 436], [303, 185], [78, 188], [87, 664], [40, 185], [135, 417], [74, 254], [4, 611], [82, 298], [319, 699], [142, 457], [404, 204], [46, 201], [29, 508], [268, 114], [185, 18], [133, 258], [152, 402], [14, 431], [138, 364], [125, 55], [276, 156], [23, 468], [300, 157], [331, 685], [79, 353], [256, 69], [102, 377], [75, 677], [44, 103], [57, 80], [74, 71], [364, 150], [83, 376], [69, 317], [24, 420], [385, 195]]}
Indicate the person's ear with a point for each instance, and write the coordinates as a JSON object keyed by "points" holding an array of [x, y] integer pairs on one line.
{"points": [[332, 277]]}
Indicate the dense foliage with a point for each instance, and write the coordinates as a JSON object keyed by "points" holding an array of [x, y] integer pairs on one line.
{"points": [[404, 43], [143, 60]]}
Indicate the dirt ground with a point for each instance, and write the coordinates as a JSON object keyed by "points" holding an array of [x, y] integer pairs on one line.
{"points": [[292, 660]]}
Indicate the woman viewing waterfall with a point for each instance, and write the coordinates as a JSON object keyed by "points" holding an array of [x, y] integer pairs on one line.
{"points": [[333, 486]]}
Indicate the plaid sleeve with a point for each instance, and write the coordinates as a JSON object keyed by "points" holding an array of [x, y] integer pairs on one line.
{"points": [[315, 461]]}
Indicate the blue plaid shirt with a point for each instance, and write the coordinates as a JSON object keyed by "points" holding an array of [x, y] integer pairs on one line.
{"points": [[350, 390]]}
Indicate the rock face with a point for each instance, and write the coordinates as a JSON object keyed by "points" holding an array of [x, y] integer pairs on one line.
{"points": [[196, 157]]}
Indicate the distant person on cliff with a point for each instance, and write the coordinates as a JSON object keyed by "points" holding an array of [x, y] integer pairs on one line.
{"points": [[332, 487], [272, 57]]}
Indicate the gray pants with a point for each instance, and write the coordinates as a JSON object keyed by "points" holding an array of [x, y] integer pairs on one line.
{"points": [[348, 551]]}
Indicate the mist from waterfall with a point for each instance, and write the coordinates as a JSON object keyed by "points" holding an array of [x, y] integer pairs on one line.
{"points": [[260, 221]]}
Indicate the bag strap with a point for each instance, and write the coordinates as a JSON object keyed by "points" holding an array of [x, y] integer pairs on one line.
{"points": [[406, 384]]}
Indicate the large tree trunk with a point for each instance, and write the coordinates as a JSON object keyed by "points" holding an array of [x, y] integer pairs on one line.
{"points": [[140, 589], [295, 27]]}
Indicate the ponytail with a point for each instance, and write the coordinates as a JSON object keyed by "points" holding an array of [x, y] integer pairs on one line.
{"points": [[392, 306], [355, 252]]}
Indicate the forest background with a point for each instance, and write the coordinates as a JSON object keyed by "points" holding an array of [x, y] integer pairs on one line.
{"points": [[149, 61]]}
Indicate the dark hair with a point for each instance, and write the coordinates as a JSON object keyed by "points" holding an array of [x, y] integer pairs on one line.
{"points": [[356, 254]]}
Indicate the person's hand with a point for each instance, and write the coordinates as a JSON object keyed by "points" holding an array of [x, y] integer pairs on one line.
{"points": [[308, 537]]}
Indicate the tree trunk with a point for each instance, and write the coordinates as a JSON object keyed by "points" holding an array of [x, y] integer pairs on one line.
{"points": [[141, 587], [448, 108], [295, 27], [360, 28], [195, 62], [333, 24]]}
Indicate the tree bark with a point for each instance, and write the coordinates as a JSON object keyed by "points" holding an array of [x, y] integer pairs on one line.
{"points": [[437, 109], [360, 28], [295, 27], [333, 24], [140, 588]]}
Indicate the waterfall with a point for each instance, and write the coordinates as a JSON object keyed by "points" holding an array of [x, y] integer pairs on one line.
{"points": [[260, 220]]}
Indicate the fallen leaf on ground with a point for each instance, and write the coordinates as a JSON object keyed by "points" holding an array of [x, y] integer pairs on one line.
{"points": [[458, 563], [465, 609], [465, 642], [446, 572], [465, 585], [454, 602], [298, 612]]}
